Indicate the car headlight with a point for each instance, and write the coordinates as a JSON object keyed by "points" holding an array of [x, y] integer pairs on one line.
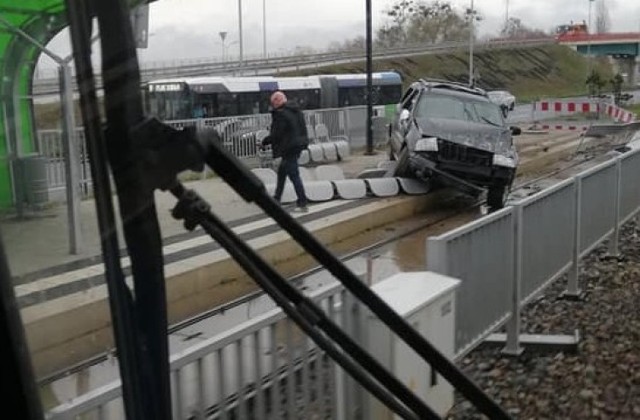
{"points": [[427, 144], [507, 162]]}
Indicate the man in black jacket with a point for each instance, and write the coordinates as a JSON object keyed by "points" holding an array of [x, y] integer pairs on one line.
{"points": [[288, 138]]}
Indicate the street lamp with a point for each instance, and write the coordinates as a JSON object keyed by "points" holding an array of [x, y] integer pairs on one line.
{"points": [[506, 15], [223, 36], [471, 39], [240, 28], [264, 28], [589, 64]]}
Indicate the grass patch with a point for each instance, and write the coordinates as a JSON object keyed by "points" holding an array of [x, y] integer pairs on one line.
{"points": [[633, 108]]}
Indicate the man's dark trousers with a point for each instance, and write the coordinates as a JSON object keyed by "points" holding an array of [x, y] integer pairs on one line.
{"points": [[289, 168]]}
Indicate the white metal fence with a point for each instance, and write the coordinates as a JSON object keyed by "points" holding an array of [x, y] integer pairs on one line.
{"points": [[51, 147], [486, 268], [264, 368], [239, 135], [507, 258]]}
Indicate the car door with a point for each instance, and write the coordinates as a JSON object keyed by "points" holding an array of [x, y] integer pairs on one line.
{"points": [[407, 104]]}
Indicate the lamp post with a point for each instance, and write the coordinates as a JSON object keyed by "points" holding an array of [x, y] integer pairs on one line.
{"points": [[589, 63], [223, 36], [264, 28], [240, 29], [471, 40], [369, 52], [506, 15]]}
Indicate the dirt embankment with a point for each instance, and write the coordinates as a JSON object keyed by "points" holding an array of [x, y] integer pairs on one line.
{"points": [[528, 72]]}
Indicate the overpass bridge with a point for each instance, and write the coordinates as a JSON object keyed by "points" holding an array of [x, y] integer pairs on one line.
{"points": [[623, 47]]}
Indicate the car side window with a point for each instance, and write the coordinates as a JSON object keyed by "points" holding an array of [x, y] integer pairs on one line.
{"points": [[408, 99]]}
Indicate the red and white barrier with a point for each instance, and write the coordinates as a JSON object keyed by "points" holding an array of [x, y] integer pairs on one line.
{"points": [[567, 107], [560, 127], [618, 114]]}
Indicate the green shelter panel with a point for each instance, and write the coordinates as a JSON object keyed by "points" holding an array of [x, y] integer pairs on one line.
{"points": [[41, 20]]}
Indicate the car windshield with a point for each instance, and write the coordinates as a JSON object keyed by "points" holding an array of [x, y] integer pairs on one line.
{"points": [[454, 108]]}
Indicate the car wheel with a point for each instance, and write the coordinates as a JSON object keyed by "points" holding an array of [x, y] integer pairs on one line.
{"points": [[497, 197]]}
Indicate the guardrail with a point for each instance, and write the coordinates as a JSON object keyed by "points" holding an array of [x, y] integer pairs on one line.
{"points": [[506, 259]]}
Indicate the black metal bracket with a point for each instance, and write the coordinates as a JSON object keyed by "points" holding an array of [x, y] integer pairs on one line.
{"points": [[164, 152]]}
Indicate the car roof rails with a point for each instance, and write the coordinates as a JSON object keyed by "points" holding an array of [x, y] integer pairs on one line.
{"points": [[447, 84]]}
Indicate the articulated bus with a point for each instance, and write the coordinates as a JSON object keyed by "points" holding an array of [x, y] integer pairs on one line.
{"points": [[201, 97]]}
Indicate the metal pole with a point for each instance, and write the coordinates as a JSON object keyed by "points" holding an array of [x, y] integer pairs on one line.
{"points": [[506, 19], [614, 249], [264, 28], [369, 81], [590, 64], [471, 39], [513, 347], [72, 161], [573, 286], [240, 28], [223, 36]]}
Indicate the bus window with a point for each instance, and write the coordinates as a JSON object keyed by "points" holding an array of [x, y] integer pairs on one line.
{"points": [[304, 98], [248, 103], [170, 105], [227, 104], [390, 94], [207, 105], [356, 96]]}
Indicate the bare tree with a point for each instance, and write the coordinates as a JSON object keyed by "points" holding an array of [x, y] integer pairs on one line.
{"points": [[395, 32], [437, 22], [419, 21], [355, 44], [603, 21], [514, 28]]}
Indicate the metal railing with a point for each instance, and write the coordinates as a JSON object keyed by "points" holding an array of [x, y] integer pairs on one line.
{"points": [[486, 270], [238, 134], [50, 146], [506, 259], [547, 223], [262, 368]]}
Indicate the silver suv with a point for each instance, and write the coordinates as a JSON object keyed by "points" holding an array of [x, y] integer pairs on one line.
{"points": [[447, 133]]}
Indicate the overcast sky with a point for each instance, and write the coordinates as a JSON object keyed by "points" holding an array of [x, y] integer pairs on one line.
{"points": [[188, 29]]}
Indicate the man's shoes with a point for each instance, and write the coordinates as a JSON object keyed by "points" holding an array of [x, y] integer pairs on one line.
{"points": [[301, 209]]}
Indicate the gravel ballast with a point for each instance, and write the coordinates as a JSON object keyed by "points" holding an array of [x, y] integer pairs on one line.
{"points": [[601, 380]]}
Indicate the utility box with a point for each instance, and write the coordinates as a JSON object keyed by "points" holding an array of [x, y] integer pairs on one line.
{"points": [[33, 179], [427, 301]]}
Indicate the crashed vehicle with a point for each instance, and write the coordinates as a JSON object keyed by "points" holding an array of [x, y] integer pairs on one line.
{"points": [[505, 100], [447, 133]]}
